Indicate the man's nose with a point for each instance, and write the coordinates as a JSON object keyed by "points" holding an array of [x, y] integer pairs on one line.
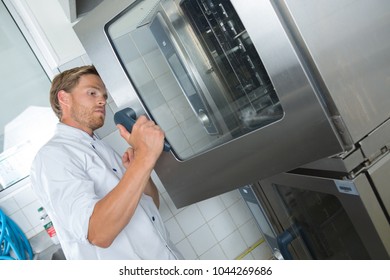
{"points": [[102, 101]]}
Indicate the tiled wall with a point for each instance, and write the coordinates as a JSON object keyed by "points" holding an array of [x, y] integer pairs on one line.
{"points": [[218, 228]]}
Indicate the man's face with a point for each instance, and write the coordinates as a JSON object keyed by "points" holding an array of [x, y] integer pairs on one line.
{"points": [[88, 100]]}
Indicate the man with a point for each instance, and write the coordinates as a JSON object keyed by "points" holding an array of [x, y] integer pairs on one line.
{"points": [[102, 206]]}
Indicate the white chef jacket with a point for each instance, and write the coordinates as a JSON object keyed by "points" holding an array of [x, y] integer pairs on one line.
{"points": [[70, 174]]}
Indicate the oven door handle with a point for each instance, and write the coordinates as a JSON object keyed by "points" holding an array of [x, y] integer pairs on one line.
{"points": [[127, 117], [285, 238]]}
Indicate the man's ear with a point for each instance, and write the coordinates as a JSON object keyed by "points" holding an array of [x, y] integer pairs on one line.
{"points": [[63, 97]]}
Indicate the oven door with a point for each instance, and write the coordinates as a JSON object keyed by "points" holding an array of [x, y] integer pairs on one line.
{"points": [[322, 218], [223, 81]]}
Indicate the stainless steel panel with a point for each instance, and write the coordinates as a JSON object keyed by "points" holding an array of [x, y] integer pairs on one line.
{"points": [[380, 176], [378, 217], [348, 163], [304, 134], [349, 43], [74, 9]]}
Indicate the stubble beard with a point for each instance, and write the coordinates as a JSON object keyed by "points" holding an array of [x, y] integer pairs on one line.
{"points": [[87, 118]]}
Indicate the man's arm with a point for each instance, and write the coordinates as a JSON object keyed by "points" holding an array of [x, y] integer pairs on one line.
{"points": [[113, 212], [150, 189]]}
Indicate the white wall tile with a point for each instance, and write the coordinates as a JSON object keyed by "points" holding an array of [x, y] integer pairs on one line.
{"points": [[175, 232], [240, 212], [215, 253], [222, 225], [250, 232], [25, 197], [31, 213], [20, 219], [229, 198], [202, 239], [190, 219], [262, 252], [186, 250], [233, 245], [9, 206], [31, 233], [211, 207]]}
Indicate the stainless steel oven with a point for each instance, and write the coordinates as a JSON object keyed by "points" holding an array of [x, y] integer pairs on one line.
{"points": [[243, 89]]}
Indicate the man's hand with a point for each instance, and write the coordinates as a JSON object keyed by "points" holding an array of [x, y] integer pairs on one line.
{"points": [[127, 157], [146, 139]]}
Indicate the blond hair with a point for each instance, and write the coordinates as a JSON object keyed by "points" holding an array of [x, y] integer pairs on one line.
{"points": [[67, 81]]}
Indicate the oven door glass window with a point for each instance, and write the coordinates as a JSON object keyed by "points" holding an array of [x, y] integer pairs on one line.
{"points": [[322, 224], [195, 70]]}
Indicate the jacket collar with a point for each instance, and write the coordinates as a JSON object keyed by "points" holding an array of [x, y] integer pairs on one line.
{"points": [[70, 131]]}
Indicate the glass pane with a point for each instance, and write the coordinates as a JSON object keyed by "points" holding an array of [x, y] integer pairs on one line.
{"points": [[327, 229], [196, 70], [26, 120]]}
